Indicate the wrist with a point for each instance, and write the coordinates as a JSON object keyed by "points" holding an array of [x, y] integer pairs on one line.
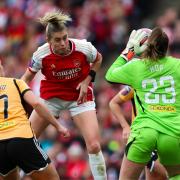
{"points": [[128, 54], [92, 74]]}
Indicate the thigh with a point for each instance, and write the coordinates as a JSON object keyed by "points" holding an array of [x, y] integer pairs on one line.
{"points": [[140, 145], [158, 172], [6, 164], [38, 124], [27, 154], [49, 173], [130, 170], [173, 170], [168, 148], [88, 125], [13, 175]]}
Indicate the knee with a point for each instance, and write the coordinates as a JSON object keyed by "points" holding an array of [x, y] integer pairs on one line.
{"points": [[93, 147]]}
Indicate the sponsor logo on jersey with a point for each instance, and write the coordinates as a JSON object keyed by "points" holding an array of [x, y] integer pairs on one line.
{"points": [[2, 87], [159, 108], [32, 62], [7, 124], [66, 74]]}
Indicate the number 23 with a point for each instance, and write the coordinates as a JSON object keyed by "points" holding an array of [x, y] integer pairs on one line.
{"points": [[157, 97]]}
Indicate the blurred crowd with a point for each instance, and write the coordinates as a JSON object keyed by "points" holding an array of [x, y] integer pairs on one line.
{"points": [[107, 24]]}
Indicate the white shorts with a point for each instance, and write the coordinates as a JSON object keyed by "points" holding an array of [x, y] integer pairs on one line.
{"points": [[55, 105]]}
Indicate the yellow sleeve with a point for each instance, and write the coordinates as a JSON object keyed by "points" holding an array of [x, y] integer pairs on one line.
{"points": [[126, 94], [23, 87]]}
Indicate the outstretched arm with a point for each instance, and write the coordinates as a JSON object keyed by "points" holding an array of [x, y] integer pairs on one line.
{"points": [[28, 76], [115, 106], [43, 112]]}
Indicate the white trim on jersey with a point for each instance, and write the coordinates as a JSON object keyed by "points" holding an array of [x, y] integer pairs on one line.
{"points": [[38, 56], [86, 48]]}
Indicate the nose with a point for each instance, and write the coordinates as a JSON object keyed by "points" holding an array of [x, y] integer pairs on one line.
{"points": [[62, 43]]}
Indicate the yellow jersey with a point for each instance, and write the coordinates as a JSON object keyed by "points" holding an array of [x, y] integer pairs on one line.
{"points": [[126, 94], [13, 118]]}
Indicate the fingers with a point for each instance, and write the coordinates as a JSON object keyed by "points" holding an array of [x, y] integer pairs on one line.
{"points": [[66, 134], [82, 98], [140, 35], [78, 86], [132, 35]]}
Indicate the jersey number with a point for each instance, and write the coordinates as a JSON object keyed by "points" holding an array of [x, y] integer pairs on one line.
{"points": [[155, 98], [5, 99]]}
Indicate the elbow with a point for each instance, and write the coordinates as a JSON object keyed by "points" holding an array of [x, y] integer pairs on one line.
{"points": [[111, 104], [108, 79], [36, 104]]}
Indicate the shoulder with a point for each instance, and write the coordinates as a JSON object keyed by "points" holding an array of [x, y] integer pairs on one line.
{"points": [[82, 45], [42, 51], [170, 58], [135, 61]]}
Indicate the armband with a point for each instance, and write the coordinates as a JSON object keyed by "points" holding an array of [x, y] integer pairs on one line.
{"points": [[92, 73]]}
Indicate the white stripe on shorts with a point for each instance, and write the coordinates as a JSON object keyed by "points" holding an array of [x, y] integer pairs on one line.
{"points": [[43, 153]]}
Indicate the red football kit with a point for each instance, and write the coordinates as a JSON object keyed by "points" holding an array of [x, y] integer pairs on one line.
{"points": [[64, 73]]}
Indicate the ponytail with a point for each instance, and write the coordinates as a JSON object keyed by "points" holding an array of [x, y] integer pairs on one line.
{"points": [[54, 22]]}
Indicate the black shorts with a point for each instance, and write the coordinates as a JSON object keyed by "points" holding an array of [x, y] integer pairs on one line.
{"points": [[24, 153]]}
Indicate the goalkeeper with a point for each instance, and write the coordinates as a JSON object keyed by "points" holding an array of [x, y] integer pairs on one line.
{"points": [[155, 80], [153, 170]]}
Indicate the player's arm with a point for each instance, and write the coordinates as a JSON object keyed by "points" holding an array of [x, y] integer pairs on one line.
{"points": [[115, 107], [121, 71], [95, 65], [28, 76], [42, 111], [1, 70], [34, 66]]}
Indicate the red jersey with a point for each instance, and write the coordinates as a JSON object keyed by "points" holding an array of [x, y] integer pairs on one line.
{"points": [[64, 73]]}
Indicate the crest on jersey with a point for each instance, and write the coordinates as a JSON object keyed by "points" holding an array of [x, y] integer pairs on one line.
{"points": [[53, 66], [77, 63]]}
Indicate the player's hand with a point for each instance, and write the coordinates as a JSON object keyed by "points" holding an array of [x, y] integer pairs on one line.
{"points": [[64, 131], [125, 134], [83, 87], [140, 41], [128, 52]]}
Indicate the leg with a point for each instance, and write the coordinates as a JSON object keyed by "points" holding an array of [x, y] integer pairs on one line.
{"points": [[88, 125], [169, 154], [173, 171], [48, 173], [130, 170], [13, 175], [158, 172], [38, 124]]}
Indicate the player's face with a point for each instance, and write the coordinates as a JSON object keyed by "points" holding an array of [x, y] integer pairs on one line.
{"points": [[59, 42]]}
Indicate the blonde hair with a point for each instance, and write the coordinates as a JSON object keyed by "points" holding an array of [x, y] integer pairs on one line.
{"points": [[54, 21]]}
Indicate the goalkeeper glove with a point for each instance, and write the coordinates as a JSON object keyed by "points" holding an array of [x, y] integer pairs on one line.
{"points": [[140, 41], [128, 52]]}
